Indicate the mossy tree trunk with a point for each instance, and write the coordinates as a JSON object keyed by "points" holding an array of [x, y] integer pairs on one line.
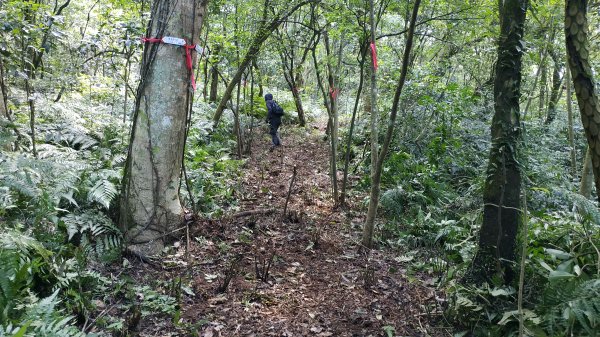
{"points": [[576, 33], [501, 196], [150, 204]]}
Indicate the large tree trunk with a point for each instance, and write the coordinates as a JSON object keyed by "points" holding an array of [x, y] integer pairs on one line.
{"points": [[501, 195], [367, 236], [150, 204], [576, 32]]}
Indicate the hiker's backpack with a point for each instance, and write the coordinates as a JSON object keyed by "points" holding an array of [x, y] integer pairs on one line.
{"points": [[277, 110]]}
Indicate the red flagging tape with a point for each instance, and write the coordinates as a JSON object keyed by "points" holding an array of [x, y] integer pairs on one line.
{"points": [[188, 63], [188, 56], [374, 55], [334, 92]]}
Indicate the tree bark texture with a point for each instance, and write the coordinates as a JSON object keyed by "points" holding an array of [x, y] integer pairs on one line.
{"points": [[576, 33], [501, 195], [150, 204]]}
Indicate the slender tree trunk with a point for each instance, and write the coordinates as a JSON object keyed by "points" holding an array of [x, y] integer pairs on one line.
{"points": [[555, 93], [150, 204], [126, 80], [543, 87], [361, 64], [31, 102], [587, 176], [248, 149], [373, 106], [367, 238], [262, 34], [570, 122], [298, 102], [214, 74], [3, 92], [501, 195], [290, 77], [237, 128], [535, 81], [576, 32], [328, 100], [259, 76], [333, 116]]}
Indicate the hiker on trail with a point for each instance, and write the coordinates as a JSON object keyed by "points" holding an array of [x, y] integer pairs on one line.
{"points": [[274, 113]]}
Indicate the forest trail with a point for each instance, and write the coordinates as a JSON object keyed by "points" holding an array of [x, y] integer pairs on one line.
{"points": [[314, 281]]}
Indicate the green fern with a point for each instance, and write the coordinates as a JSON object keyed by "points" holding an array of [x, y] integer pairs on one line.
{"points": [[47, 321], [97, 232], [104, 190], [17, 258], [587, 208], [69, 135], [572, 307]]}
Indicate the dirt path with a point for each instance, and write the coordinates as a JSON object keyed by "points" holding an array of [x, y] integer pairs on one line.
{"points": [[314, 283]]}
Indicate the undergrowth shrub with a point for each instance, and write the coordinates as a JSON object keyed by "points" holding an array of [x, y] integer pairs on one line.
{"points": [[211, 171], [54, 211]]}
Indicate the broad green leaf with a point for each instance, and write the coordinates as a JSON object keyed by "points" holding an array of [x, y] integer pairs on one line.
{"points": [[559, 275]]}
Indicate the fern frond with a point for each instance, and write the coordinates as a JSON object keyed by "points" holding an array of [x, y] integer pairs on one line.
{"points": [[98, 233], [587, 208], [6, 199], [572, 304], [47, 320], [13, 240], [103, 192]]}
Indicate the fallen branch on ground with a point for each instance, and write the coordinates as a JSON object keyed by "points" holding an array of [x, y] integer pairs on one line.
{"points": [[253, 212]]}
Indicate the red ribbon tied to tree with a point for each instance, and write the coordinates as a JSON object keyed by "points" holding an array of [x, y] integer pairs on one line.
{"points": [[334, 92], [182, 43], [374, 55]]}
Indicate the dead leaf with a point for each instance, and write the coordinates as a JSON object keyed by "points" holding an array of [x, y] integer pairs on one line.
{"points": [[316, 329]]}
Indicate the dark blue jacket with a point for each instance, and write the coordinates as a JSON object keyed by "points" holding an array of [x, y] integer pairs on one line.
{"points": [[272, 116]]}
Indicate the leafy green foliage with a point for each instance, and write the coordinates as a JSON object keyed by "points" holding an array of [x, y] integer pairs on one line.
{"points": [[211, 171], [572, 307], [25, 265]]}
